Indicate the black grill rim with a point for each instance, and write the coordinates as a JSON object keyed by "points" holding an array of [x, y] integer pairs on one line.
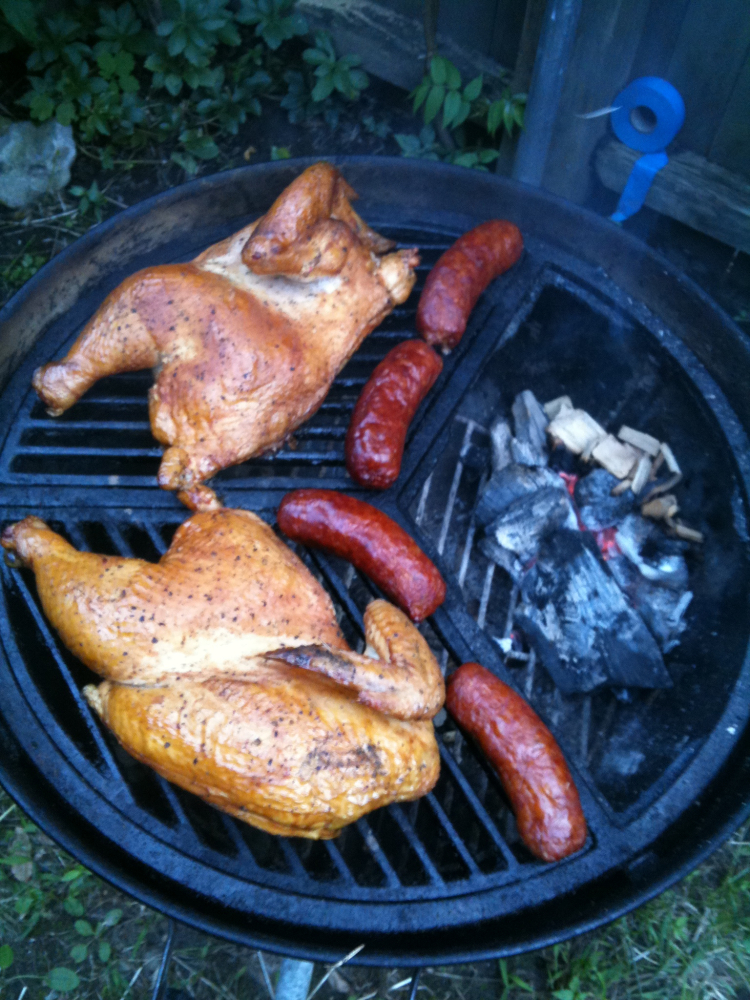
{"points": [[723, 805]]}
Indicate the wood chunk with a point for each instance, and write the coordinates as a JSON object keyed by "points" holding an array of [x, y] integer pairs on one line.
{"points": [[670, 459], [642, 472], [622, 487], [661, 508], [556, 406], [576, 430], [660, 488], [682, 531], [644, 442], [616, 457]]}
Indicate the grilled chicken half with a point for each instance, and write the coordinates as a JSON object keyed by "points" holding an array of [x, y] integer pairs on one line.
{"points": [[246, 339], [225, 670]]}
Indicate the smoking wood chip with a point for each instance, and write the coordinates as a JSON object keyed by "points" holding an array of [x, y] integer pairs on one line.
{"points": [[670, 459], [616, 457], [621, 487], [642, 472], [556, 406], [576, 430], [664, 487], [682, 531], [661, 508], [644, 442]]}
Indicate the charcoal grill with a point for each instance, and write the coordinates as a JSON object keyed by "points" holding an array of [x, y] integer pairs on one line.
{"points": [[664, 776]]}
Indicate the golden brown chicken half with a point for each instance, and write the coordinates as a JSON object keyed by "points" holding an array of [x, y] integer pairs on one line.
{"points": [[247, 338], [226, 672]]}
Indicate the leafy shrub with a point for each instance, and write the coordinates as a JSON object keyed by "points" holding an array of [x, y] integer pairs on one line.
{"points": [[469, 116], [171, 71]]}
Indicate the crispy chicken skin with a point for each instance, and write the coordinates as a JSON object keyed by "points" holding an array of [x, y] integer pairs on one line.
{"points": [[247, 338], [225, 670]]}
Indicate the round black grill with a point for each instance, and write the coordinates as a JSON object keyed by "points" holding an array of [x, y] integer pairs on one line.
{"points": [[662, 775]]}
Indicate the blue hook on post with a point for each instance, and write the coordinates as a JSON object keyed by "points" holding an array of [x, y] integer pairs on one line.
{"points": [[649, 114]]}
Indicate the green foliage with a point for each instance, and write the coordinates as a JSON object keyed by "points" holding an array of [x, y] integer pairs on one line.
{"points": [[275, 20], [91, 198], [332, 74], [63, 980], [6, 956], [466, 117], [280, 153], [174, 71]]}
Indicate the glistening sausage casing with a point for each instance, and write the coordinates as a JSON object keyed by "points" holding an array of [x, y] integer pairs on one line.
{"points": [[386, 407], [371, 540], [461, 275], [523, 751]]}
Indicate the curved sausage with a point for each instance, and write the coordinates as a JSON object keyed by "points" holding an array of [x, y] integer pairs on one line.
{"points": [[523, 751], [377, 433], [461, 275], [371, 540]]}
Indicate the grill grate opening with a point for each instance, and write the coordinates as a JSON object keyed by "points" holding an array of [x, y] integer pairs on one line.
{"points": [[359, 859], [399, 852], [265, 849], [206, 822], [427, 825], [47, 663], [316, 859], [98, 539], [456, 807], [141, 543], [143, 783]]}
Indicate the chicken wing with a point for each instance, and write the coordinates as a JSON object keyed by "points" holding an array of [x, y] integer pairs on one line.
{"points": [[247, 338], [225, 670]]}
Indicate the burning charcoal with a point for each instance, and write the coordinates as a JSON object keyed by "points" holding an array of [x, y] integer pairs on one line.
{"points": [[527, 520], [583, 628], [639, 440], [529, 446], [510, 483], [661, 607], [500, 435], [616, 457], [597, 507], [576, 430], [502, 557], [556, 406], [651, 553]]}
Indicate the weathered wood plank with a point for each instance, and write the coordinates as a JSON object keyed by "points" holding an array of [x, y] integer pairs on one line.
{"points": [[691, 189], [609, 32], [731, 145], [391, 44], [709, 54]]}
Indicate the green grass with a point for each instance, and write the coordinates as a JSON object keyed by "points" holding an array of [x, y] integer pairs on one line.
{"points": [[65, 931]]}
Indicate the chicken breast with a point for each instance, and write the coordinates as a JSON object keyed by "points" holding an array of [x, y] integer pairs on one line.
{"points": [[246, 339], [226, 672]]}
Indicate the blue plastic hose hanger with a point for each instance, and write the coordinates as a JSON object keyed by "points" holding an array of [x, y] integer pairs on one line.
{"points": [[648, 114]]}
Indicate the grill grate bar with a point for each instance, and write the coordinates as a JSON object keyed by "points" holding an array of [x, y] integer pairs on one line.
{"points": [[85, 712], [454, 837], [341, 590], [341, 866], [453, 493], [411, 835], [392, 879], [482, 815]]}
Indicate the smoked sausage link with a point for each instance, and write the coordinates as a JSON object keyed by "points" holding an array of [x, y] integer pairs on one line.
{"points": [[523, 751], [386, 407], [461, 275], [371, 540]]}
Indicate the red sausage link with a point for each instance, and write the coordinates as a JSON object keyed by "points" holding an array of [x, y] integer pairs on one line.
{"points": [[523, 751], [377, 434], [368, 538], [461, 275]]}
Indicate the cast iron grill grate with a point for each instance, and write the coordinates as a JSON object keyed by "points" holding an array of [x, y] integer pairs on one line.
{"points": [[453, 859]]}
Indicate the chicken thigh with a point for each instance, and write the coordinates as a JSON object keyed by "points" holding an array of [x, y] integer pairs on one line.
{"points": [[247, 338], [225, 670]]}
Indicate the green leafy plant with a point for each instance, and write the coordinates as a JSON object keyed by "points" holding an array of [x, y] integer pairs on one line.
{"points": [[275, 20], [441, 88], [333, 74], [90, 198]]}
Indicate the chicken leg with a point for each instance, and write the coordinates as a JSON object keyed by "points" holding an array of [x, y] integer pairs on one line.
{"points": [[226, 672], [247, 338]]}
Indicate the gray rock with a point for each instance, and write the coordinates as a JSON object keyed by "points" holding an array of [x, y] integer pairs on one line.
{"points": [[34, 160]]}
